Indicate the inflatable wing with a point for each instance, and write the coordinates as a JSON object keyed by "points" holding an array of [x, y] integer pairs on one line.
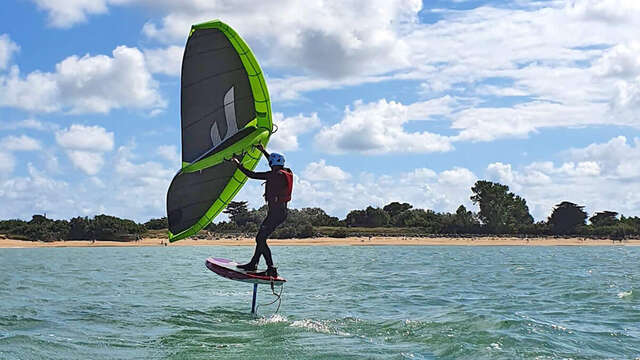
{"points": [[225, 110]]}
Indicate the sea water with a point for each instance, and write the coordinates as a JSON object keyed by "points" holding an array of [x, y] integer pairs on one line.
{"points": [[365, 302]]}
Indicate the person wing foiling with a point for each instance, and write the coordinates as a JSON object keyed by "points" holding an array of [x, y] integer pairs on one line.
{"points": [[278, 188]]}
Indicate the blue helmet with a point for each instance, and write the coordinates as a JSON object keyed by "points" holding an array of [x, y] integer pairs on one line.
{"points": [[276, 159]]}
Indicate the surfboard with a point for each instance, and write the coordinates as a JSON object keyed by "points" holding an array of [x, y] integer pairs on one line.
{"points": [[227, 269]]}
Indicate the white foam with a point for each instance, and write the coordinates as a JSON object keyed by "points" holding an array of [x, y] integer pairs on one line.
{"points": [[273, 319], [558, 327], [317, 327], [624, 294]]}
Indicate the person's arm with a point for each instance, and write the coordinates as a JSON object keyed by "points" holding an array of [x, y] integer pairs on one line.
{"points": [[249, 173], [262, 150]]}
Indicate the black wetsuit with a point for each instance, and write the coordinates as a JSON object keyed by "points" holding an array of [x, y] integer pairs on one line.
{"points": [[276, 214]]}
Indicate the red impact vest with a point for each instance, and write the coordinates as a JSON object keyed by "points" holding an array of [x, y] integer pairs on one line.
{"points": [[285, 195], [282, 194]]}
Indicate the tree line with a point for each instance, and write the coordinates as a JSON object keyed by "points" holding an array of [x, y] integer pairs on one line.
{"points": [[501, 212], [100, 227]]}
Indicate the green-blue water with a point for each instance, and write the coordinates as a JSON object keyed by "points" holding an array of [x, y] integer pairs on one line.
{"points": [[340, 303]]}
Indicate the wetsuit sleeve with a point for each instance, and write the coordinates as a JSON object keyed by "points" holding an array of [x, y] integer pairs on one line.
{"points": [[253, 174]]}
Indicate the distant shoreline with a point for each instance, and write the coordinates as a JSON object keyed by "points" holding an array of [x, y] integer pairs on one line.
{"points": [[326, 241]]}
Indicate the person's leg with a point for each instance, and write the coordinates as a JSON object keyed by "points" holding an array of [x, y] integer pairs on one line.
{"points": [[279, 216], [255, 259], [274, 218], [261, 243]]}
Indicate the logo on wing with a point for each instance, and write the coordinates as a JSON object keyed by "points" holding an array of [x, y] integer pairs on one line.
{"points": [[230, 118]]}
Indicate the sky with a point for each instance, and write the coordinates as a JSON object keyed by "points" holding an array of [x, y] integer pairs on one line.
{"points": [[375, 101]]}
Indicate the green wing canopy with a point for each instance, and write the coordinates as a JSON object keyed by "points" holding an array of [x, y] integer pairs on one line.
{"points": [[225, 110]]}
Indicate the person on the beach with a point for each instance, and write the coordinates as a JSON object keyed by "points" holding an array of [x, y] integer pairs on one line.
{"points": [[277, 194]]}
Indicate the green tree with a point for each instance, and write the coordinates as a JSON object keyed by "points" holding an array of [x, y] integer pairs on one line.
{"points": [[106, 227], [376, 217], [604, 218], [500, 210], [13, 227], [256, 216], [395, 208], [370, 217], [157, 224], [318, 217], [631, 223], [238, 212], [356, 218], [304, 231], [566, 217], [464, 221], [79, 229], [429, 220], [42, 229]]}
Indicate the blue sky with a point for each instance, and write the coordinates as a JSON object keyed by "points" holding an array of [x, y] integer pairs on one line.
{"points": [[376, 101]]}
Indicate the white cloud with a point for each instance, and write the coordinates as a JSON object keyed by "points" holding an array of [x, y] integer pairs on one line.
{"points": [[38, 193], [85, 146], [328, 38], [621, 61], [329, 45], [492, 90], [289, 128], [422, 187], [130, 188], [142, 186], [376, 128], [533, 175], [166, 61], [170, 153], [627, 99], [331, 39], [457, 176], [36, 92], [51, 163], [7, 163], [98, 182], [320, 171], [486, 41], [599, 176], [89, 138], [7, 49], [34, 193], [558, 73], [581, 169], [486, 124], [612, 11], [19, 143], [616, 158], [32, 124], [84, 85], [292, 87], [620, 66], [89, 162], [345, 39], [66, 13]]}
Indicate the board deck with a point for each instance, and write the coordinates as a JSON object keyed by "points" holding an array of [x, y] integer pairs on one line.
{"points": [[227, 268]]}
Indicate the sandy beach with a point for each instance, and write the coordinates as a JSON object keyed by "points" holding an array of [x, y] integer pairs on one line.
{"points": [[325, 241]]}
